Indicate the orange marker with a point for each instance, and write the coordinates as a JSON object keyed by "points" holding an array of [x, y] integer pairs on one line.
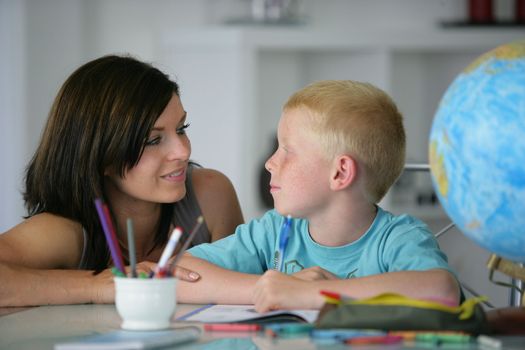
{"points": [[382, 339]]}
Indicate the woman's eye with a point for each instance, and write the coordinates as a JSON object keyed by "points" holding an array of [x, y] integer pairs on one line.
{"points": [[153, 141], [182, 129]]}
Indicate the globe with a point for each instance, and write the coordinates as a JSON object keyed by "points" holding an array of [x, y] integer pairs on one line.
{"points": [[477, 151]]}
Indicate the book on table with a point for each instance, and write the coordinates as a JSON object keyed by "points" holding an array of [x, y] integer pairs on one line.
{"points": [[217, 313]]}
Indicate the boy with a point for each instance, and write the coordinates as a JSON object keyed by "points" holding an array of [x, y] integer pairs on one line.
{"points": [[341, 147]]}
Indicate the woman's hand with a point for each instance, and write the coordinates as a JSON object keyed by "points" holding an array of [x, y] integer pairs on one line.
{"points": [[179, 272], [104, 288], [184, 274], [315, 273]]}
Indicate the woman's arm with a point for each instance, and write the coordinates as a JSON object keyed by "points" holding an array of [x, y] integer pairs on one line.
{"points": [[38, 262], [216, 285], [218, 202]]}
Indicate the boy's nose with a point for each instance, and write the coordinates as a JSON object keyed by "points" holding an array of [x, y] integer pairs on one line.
{"points": [[269, 164]]}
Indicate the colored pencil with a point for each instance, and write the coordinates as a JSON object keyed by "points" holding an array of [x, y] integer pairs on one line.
{"points": [[111, 244], [131, 248]]}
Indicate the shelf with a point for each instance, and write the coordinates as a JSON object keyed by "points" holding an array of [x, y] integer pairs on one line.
{"points": [[307, 38]]}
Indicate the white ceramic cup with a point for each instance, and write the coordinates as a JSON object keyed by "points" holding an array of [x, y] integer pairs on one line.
{"points": [[145, 303]]}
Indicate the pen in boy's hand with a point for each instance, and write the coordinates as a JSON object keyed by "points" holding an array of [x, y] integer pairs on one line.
{"points": [[283, 242]]}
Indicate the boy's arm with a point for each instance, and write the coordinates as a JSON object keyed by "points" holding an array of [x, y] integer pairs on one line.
{"points": [[278, 291], [215, 285]]}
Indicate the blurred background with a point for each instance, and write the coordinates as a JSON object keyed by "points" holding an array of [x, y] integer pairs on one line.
{"points": [[237, 61]]}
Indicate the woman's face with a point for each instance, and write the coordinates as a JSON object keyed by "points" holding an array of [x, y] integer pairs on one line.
{"points": [[160, 174]]}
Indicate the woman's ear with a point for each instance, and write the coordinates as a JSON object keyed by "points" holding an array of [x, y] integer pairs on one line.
{"points": [[344, 172]]}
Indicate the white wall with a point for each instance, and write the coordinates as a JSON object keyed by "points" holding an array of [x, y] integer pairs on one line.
{"points": [[12, 112], [42, 41]]}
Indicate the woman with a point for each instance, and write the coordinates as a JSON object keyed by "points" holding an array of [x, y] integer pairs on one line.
{"points": [[116, 131]]}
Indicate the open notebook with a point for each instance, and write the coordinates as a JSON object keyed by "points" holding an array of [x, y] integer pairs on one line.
{"points": [[246, 314]]}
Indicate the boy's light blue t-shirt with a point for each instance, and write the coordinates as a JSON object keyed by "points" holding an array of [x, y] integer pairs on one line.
{"points": [[392, 243]]}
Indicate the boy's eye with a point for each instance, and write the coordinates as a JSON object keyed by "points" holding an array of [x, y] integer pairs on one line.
{"points": [[182, 129], [152, 141]]}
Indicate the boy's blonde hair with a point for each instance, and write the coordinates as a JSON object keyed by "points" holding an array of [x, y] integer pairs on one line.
{"points": [[360, 120]]}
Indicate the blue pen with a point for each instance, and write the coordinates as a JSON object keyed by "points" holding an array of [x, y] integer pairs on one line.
{"points": [[283, 242]]}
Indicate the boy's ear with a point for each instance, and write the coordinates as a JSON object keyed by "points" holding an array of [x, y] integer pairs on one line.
{"points": [[344, 172]]}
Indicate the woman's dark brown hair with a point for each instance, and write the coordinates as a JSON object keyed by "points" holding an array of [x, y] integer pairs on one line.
{"points": [[100, 118]]}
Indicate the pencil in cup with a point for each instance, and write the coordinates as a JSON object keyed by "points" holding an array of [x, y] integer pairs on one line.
{"points": [[131, 248], [110, 236]]}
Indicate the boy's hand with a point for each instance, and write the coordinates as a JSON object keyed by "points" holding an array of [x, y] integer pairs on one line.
{"points": [[315, 273], [275, 290]]}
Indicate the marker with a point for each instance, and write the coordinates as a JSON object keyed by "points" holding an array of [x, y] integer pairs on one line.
{"points": [[489, 342], [283, 242], [335, 298], [343, 334], [168, 251], [288, 328], [116, 272], [443, 337], [232, 327], [406, 335], [384, 339]]}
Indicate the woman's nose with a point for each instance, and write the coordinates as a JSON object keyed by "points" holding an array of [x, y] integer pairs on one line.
{"points": [[180, 148]]}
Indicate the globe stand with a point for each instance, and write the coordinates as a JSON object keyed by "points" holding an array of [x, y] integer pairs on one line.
{"points": [[509, 320]]}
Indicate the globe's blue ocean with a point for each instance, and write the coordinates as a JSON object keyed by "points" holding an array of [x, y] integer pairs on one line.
{"points": [[477, 151]]}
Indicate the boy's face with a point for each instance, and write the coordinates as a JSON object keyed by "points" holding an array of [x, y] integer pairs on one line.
{"points": [[299, 169]]}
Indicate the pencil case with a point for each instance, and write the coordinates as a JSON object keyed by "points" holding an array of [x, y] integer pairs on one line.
{"points": [[396, 312]]}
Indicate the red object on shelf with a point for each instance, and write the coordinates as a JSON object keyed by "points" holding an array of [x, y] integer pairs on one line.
{"points": [[480, 11], [519, 11]]}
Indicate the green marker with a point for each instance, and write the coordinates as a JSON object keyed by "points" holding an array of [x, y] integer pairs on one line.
{"points": [[290, 328], [439, 338], [116, 272]]}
